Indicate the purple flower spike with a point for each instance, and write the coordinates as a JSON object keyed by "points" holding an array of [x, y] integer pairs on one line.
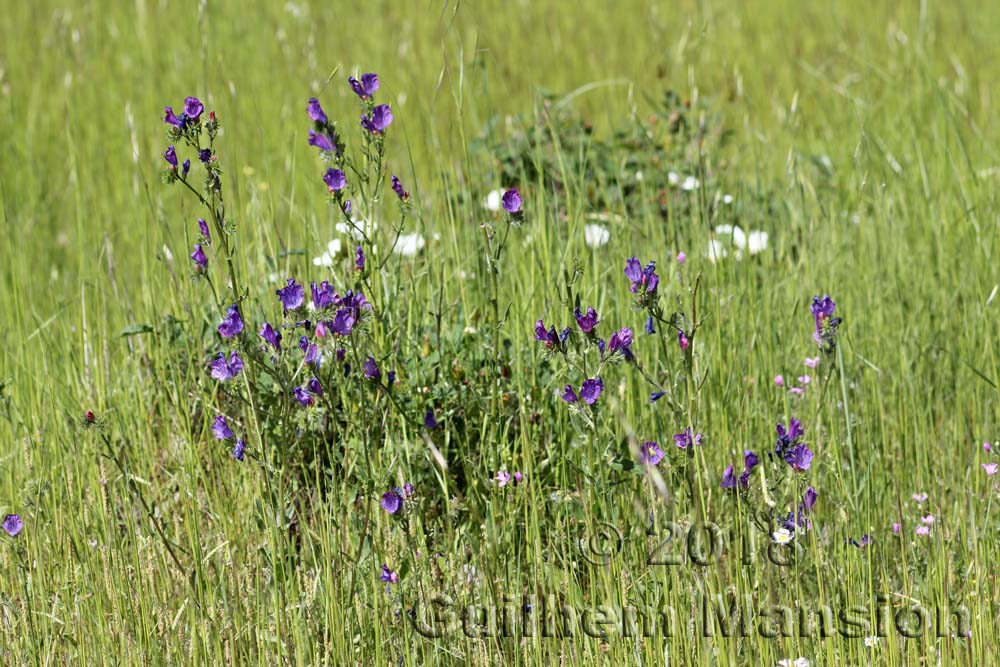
{"points": [[323, 295], [232, 324], [397, 187], [388, 576], [391, 501], [511, 201], [223, 370], [366, 87], [687, 439], [170, 155], [220, 428], [643, 279], [359, 259], [371, 369], [320, 141], [238, 450], [292, 295], [591, 390], [171, 119], [586, 321], [788, 438], [728, 478], [303, 397], [205, 155], [335, 180], [193, 108], [273, 337], [343, 322], [621, 341], [650, 453], [380, 120], [203, 227], [198, 257], [430, 421], [800, 458], [569, 395], [12, 524], [316, 112]]}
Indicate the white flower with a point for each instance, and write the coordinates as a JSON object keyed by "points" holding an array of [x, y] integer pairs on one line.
{"points": [[690, 183], [797, 662], [727, 199], [596, 235], [757, 242], [673, 178], [782, 536], [409, 245], [638, 175], [716, 250], [333, 249], [871, 642], [724, 229], [493, 200], [739, 238]]}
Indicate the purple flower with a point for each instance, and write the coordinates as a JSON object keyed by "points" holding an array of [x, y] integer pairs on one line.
{"points": [[728, 478], [359, 259], [822, 309], [650, 329], [380, 120], [343, 322], [314, 386], [407, 490], [170, 155], [273, 337], [644, 279], [991, 468], [185, 168], [205, 155], [320, 141], [238, 450], [371, 369], [391, 501], [683, 340], [503, 478], [569, 395], [335, 180], [303, 397], [788, 438], [397, 187], [232, 324], [799, 457], [170, 119], [365, 88], [12, 524], [203, 227], [650, 453], [591, 390], [430, 421], [750, 461], [292, 295], [198, 257], [323, 295], [220, 428], [548, 336], [223, 370], [193, 108], [809, 499], [866, 539], [686, 439], [586, 321], [388, 576], [621, 341], [656, 395], [312, 354], [511, 201], [315, 111]]}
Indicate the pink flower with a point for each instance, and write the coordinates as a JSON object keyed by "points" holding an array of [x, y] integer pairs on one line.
{"points": [[778, 380], [681, 257], [990, 468], [986, 447], [805, 379], [798, 391], [895, 529], [919, 497], [927, 520], [812, 362], [923, 530]]}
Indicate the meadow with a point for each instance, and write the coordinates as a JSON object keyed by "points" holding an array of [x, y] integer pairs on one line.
{"points": [[773, 441]]}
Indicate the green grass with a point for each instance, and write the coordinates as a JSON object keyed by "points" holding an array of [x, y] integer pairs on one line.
{"points": [[901, 228]]}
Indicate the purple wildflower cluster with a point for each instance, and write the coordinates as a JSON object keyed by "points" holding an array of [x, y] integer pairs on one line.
{"points": [[729, 479], [790, 448], [395, 499], [822, 309]]}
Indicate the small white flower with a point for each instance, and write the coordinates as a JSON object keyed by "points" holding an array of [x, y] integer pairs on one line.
{"points": [[334, 247], [690, 183], [596, 235], [638, 175], [727, 199], [739, 238], [782, 536], [724, 229], [493, 200], [471, 330], [408, 245], [797, 662], [673, 178], [716, 250], [325, 260], [871, 642], [756, 242]]}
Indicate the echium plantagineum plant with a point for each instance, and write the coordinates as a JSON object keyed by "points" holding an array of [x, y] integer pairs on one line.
{"points": [[288, 384]]}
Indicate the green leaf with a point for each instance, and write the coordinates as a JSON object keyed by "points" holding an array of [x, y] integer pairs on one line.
{"points": [[136, 329]]}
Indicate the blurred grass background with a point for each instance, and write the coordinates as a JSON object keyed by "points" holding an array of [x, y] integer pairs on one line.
{"points": [[876, 123]]}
